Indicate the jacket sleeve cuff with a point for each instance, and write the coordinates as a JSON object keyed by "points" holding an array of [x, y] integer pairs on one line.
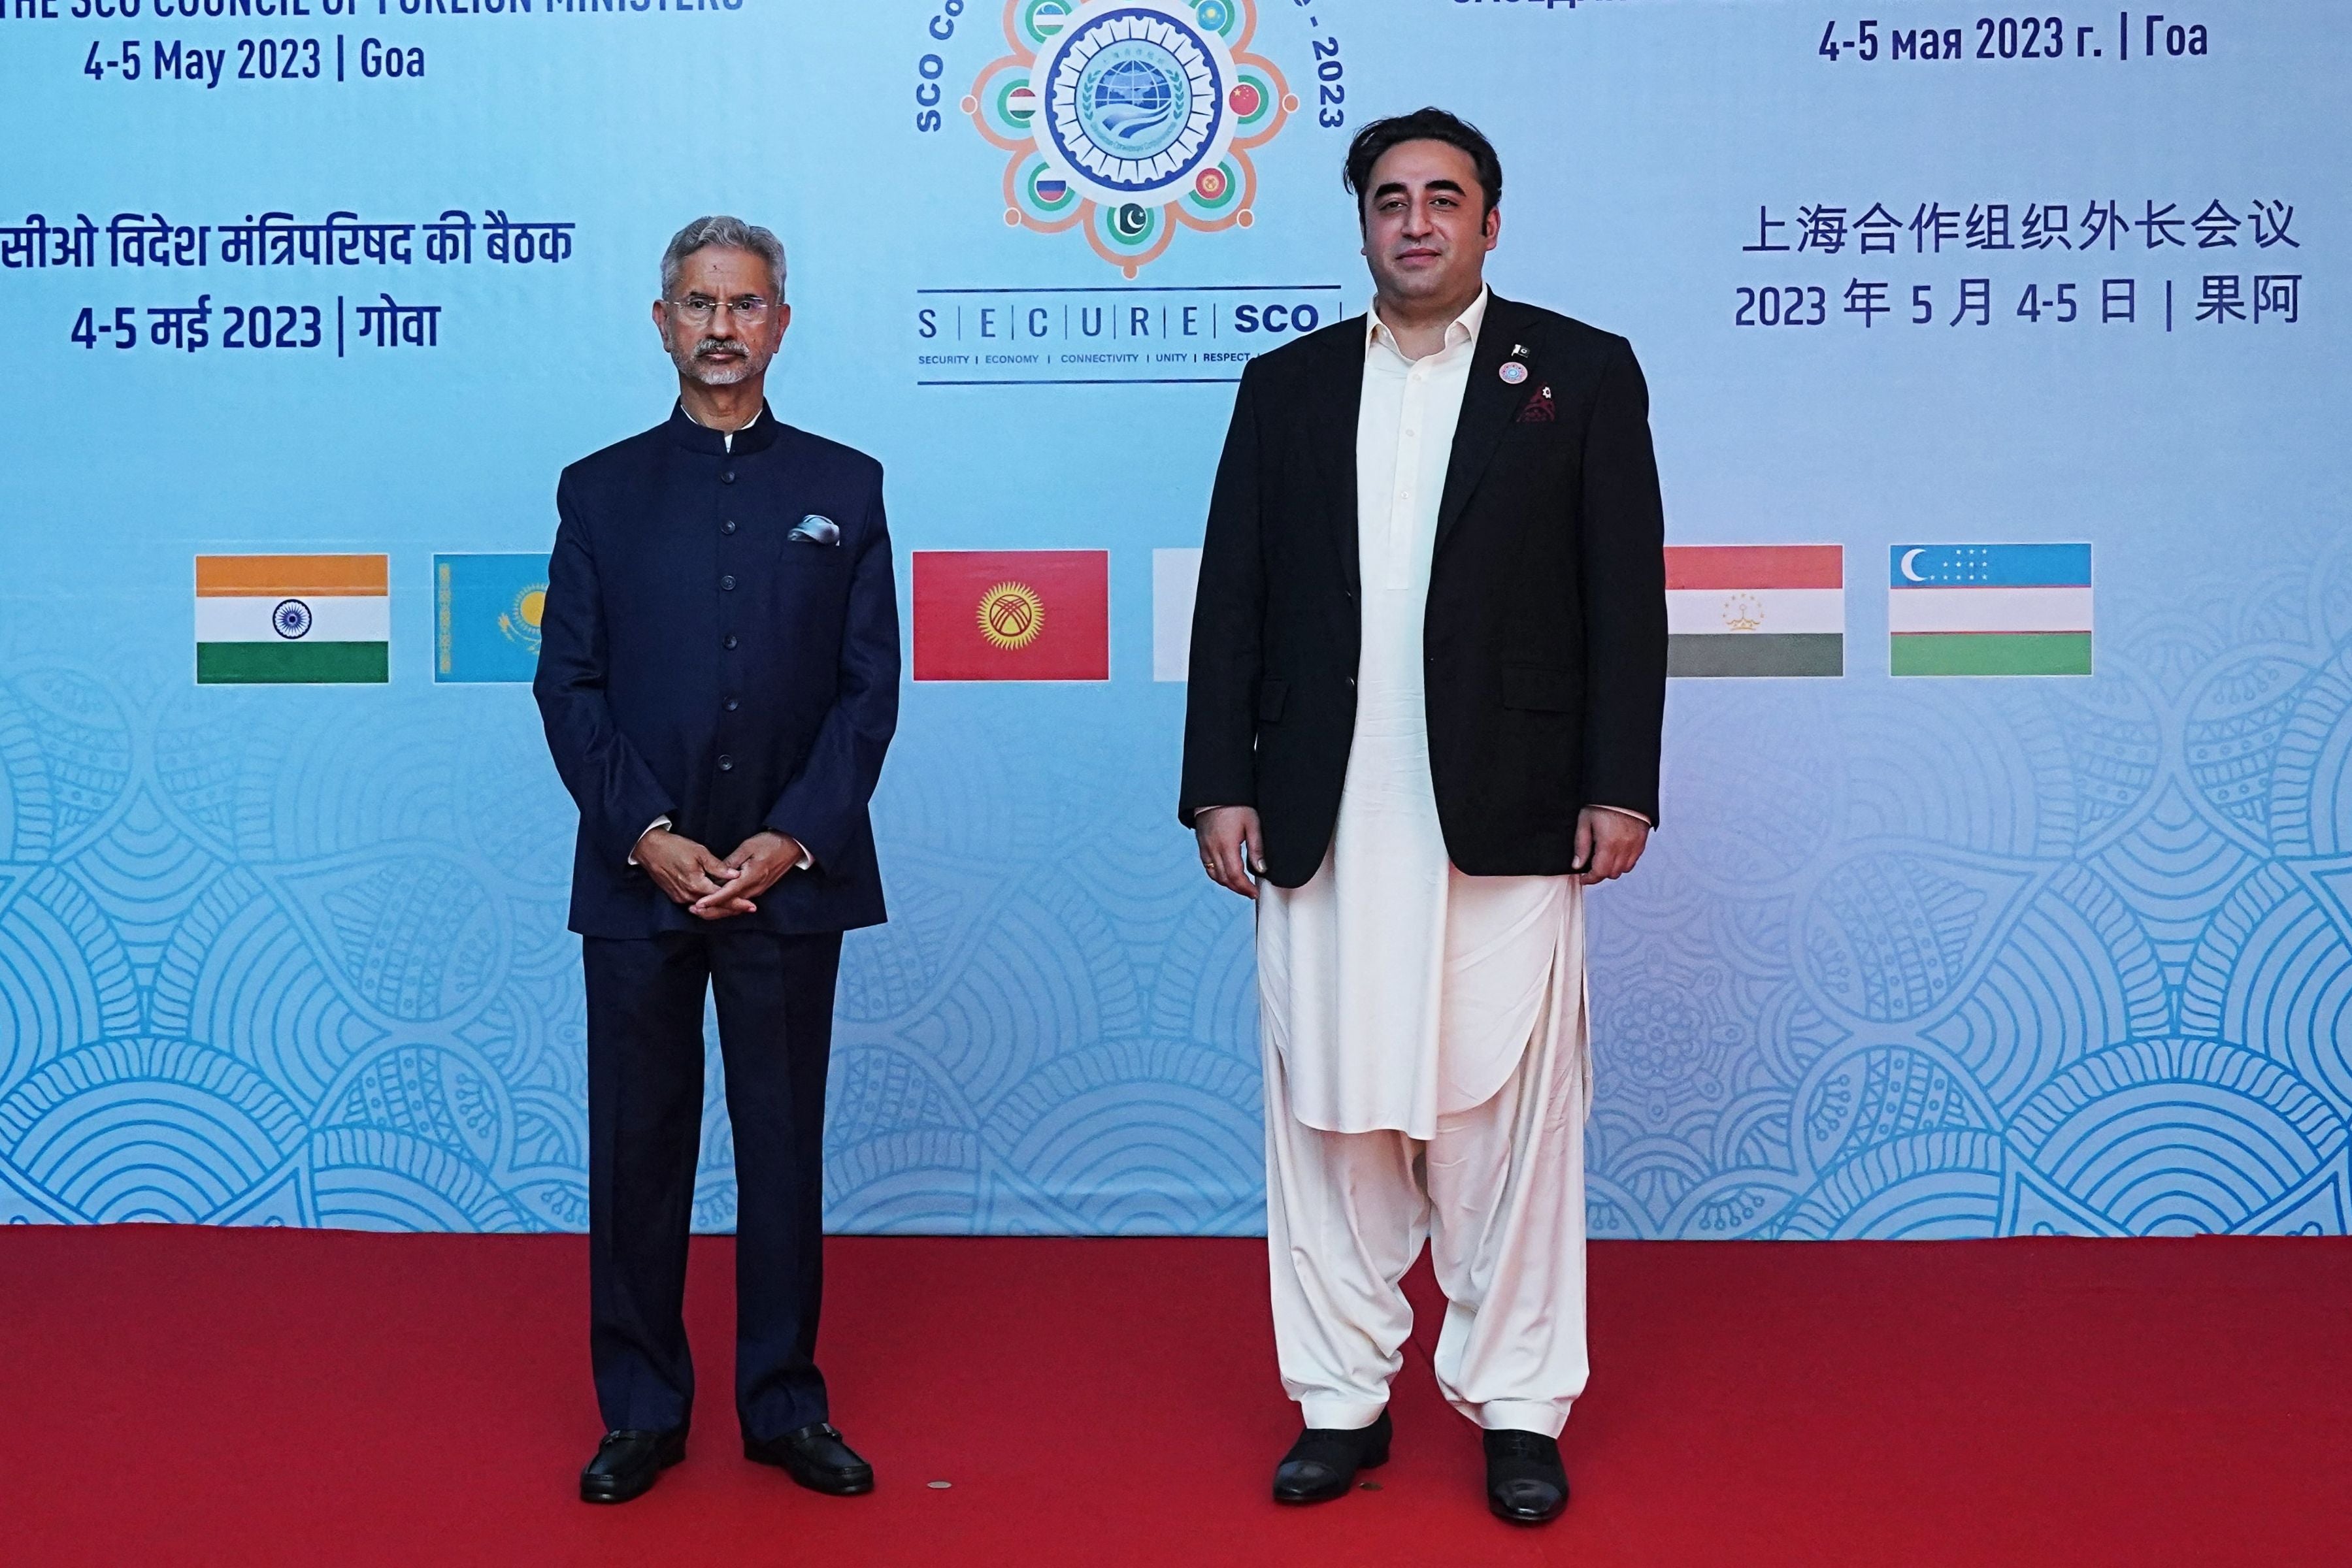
{"points": [[818, 842]]}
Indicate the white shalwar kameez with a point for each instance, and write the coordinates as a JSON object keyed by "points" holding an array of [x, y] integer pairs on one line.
{"points": [[1424, 1031]]}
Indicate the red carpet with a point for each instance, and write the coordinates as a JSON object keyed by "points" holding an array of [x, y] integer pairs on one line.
{"points": [[259, 1398]]}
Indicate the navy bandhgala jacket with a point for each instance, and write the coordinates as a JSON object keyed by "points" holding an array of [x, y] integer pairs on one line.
{"points": [[712, 652]]}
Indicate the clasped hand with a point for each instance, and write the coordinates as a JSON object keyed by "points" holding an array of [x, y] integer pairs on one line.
{"points": [[711, 888]]}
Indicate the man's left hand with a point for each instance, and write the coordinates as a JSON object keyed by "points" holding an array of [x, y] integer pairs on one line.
{"points": [[1607, 844], [760, 861]]}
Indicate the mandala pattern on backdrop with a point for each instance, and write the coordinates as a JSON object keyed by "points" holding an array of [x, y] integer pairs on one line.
{"points": [[1985, 957]]}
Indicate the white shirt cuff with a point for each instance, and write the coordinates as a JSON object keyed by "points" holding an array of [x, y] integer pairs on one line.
{"points": [[1622, 811], [656, 822]]}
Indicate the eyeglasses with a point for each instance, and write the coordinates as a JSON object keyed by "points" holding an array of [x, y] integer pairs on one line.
{"points": [[698, 309]]}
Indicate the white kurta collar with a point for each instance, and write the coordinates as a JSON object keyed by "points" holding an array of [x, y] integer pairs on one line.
{"points": [[1462, 329]]}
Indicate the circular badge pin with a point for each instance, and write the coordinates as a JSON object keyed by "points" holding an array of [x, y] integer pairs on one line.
{"points": [[1513, 372]]}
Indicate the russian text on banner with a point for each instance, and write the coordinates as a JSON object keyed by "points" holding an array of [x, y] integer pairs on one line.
{"points": [[282, 620], [1012, 615], [1988, 610], [1755, 610], [486, 614]]}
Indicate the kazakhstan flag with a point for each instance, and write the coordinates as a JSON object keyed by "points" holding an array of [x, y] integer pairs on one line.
{"points": [[485, 611]]}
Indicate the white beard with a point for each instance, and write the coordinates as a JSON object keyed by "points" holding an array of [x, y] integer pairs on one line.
{"points": [[712, 375]]}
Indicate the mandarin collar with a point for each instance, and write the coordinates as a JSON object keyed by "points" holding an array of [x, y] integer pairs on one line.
{"points": [[756, 436]]}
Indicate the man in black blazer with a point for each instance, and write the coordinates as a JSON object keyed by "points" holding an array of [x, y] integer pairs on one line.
{"points": [[718, 676], [1428, 675]]}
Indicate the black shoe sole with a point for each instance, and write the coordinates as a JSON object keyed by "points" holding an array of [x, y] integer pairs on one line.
{"points": [[858, 1487], [600, 1493]]}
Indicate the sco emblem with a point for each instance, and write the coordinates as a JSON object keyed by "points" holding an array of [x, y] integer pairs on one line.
{"points": [[1127, 120], [1133, 100]]}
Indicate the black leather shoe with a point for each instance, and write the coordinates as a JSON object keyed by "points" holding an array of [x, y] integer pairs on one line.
{"points": [[817, 1457], [628, 1463], [1525, 1483], [1322, 1465]]}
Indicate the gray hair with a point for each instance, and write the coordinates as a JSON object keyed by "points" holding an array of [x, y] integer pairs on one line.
{"points": [[727, 234]]}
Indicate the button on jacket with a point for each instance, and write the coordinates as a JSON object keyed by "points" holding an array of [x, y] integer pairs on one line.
{"points": [[698, 665]]}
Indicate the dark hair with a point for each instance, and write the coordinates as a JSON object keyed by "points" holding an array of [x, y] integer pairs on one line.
{"points": [[1422, 125]]}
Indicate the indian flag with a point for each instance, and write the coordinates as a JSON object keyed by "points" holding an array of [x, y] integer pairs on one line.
{"points": [[1756, 610], [293, 620], [1988, 610]]}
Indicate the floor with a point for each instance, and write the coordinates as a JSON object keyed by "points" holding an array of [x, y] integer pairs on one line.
{"points": [[188, 1395]]}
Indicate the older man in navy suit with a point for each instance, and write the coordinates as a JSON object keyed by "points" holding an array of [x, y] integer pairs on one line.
{"points": [[718, 676]]}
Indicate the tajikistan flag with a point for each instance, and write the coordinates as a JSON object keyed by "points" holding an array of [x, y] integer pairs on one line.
{"points": [[293, 618], [1988, 610], [1756, 610]]}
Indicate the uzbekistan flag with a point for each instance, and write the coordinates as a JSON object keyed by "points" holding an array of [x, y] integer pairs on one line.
{"points": [[1012, 615], [1988, 610], [1756, 610], [293, 620]]}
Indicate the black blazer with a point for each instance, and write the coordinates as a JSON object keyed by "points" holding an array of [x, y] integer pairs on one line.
{"points": [[697, 663], [1546, 630]]}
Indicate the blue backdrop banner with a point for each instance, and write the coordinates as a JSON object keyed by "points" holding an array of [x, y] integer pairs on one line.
{"points": [[1997, 363]]}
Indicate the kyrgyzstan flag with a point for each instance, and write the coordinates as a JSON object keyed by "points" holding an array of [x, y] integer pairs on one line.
{"points": [[1012, 615]]}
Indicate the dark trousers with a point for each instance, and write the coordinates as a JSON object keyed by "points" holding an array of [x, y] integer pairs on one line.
{"points": [[644, 1122]]}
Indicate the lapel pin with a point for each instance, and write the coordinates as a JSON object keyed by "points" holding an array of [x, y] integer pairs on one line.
{"points": [[1519, 350], [1513, 372]]}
